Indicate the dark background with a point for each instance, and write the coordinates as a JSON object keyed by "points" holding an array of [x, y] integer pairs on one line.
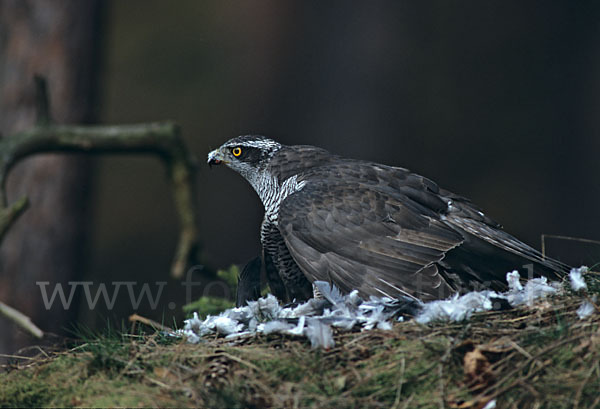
{"points": [[498, 101]]}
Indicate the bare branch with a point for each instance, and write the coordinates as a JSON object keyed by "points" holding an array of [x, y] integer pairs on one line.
{"points": [[21, 320], [161, 139]]}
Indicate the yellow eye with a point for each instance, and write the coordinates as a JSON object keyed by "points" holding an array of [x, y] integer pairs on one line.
{"points": [[237, 151]]}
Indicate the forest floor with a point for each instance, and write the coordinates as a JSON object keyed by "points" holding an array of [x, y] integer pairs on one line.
{"points": [[527, 357]]}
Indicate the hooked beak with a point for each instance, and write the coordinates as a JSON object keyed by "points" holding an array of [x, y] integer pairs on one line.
{"points": [[215, 158]]}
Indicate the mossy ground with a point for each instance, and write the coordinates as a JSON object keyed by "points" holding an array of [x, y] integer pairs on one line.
{"points": [[539, 357]]}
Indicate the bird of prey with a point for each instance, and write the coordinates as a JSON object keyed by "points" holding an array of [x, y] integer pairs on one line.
{"points": [[381, 230]]}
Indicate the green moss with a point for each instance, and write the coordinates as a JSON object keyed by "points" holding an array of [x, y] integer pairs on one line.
{"points": [[40, 385], [230, 276], [210, 305], [205, 306]]}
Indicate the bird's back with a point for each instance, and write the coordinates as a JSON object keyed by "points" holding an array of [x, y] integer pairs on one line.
{"points": [[354, 218]]}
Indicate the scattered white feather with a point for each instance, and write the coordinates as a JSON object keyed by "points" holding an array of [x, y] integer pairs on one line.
{"points": [[586, 309], [312, 319], [331, 293], [227, 326], [315, 318], [320, 334], [459, 308], [490, 405], [513, 279], [276, 326], [299, 329], [535, 289], [576, 278], [456, 308]]}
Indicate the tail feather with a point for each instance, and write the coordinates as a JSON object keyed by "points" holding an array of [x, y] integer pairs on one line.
{"points": [[488, 253]]}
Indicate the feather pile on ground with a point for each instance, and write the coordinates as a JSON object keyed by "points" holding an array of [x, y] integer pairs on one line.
{"points": [[315, 318]]}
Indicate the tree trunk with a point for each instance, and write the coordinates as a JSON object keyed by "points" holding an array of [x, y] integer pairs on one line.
{"points": [[57, 39]]}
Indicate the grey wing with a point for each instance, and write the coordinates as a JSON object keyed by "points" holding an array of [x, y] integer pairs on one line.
{"points": [[360, 237]]}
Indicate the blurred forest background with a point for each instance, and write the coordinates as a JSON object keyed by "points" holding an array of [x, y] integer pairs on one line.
{"points": [[498, 101]]}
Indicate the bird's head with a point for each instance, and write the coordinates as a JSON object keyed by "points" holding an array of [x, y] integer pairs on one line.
{"points": [[248, 155], [268, 165]]}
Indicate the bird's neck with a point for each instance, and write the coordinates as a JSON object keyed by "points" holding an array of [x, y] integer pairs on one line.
{"points": [[272, 192], [266, 186]]}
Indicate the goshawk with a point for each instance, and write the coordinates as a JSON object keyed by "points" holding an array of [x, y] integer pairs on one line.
{"points": [[381, 230]]}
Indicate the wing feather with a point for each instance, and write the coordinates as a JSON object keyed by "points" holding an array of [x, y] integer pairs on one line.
{"points": [[359, 236]]}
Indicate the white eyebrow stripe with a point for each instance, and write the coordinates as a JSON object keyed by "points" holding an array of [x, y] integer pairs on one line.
{"points": [[259, 143]]}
